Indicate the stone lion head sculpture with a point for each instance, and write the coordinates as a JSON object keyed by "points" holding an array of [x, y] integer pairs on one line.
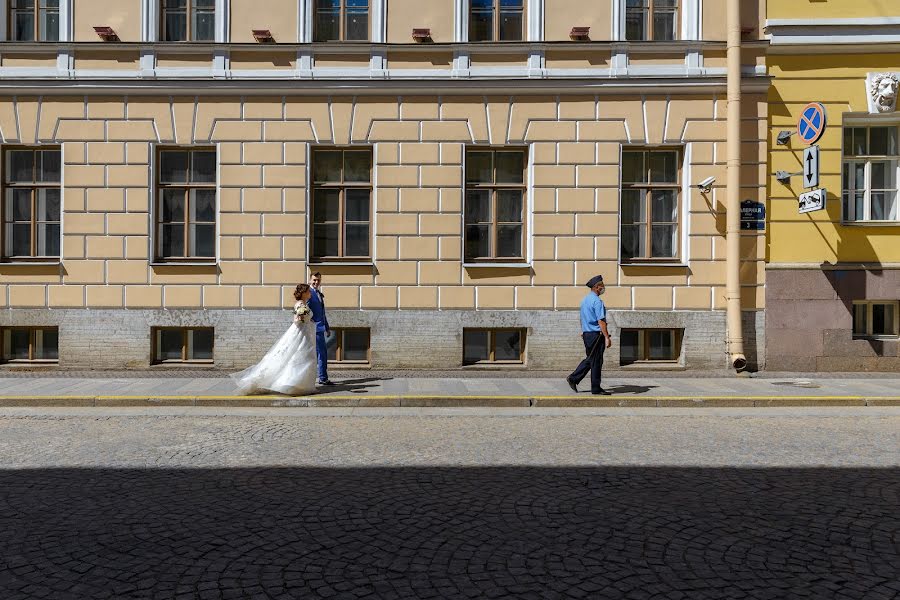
{"points": [[884, 91]]}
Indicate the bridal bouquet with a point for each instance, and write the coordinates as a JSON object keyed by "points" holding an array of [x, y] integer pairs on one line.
{"points": [[301, 311]]}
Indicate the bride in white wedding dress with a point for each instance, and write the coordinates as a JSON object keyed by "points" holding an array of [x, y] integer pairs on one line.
{"points": [[289, 367]]}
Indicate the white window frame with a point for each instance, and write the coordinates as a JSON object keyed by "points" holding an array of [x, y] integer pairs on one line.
{"points": [[66, 29], [690, 16], [848, 216], [877, 336], [150, 15]]}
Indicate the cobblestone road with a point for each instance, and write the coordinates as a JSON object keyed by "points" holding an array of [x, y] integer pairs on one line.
{"points": [[193, 504]]}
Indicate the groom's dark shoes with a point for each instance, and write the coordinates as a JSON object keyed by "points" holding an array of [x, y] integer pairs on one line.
{"points": [[326, 382], [572, 384], [601, 392]]}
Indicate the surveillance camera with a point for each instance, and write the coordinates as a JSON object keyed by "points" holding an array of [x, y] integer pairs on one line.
{"points": [[706, 185]]}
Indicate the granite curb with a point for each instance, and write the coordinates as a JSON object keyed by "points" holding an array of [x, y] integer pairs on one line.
{"points": [[409, 401]]}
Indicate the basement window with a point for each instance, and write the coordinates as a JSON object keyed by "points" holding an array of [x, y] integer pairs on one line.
{"points": [[351, 346], [649, 346], [30, 345], [875, 319], [182, 345], [493, 346]]}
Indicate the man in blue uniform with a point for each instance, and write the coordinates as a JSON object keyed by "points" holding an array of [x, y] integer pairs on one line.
{"points": [[595, 335], [317, 306]]}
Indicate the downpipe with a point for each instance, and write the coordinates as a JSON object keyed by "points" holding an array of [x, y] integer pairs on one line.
{"points": [[735, 336]]}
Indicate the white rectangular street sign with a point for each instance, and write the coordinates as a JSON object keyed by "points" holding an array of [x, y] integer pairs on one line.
{"points": [[811, 167], [812, 201]]}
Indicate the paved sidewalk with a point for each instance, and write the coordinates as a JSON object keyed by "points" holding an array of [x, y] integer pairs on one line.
{"points": [[374, 389]]}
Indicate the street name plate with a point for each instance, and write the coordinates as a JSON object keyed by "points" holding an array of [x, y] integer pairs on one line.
{"points": [[811, 167], [812, 201]]}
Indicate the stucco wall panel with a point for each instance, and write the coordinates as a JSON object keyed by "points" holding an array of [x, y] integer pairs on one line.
{"points": [[278, 16]]}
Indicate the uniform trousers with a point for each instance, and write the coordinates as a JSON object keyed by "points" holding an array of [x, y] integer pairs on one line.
{"points": [[593, 361]]}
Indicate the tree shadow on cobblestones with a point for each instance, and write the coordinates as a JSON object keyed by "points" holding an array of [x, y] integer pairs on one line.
{"points": [[542, 533]]}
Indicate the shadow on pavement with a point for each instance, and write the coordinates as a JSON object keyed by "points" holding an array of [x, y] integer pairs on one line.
{"points": [[506, 532], [630, 389], [356, 386]]}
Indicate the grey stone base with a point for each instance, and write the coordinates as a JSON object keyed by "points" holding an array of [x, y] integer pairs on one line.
{"points": [[810, 324], [118, 338]]}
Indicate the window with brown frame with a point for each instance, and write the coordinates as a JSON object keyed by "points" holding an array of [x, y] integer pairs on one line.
{"points": [[31, 204], [496, 20], [351, 346], [651, 20], [495, 205], [649, 214], [182, 344], [341, 20], [186, 205], [188, 20], [482, 346], [29, 344], [649, 345], [341, 203], [33, 20]]}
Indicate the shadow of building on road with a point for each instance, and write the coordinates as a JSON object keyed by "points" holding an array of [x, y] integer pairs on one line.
{"points": [[497, 532]]}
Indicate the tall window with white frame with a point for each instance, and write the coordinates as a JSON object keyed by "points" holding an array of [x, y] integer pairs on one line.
{"points": [[649, 212], [496, 20], [31, 204], [341, 204], [871, 159], [188, 20], [341, 20], [33, 20], [651, 20], [186, 205], [495, 205]]}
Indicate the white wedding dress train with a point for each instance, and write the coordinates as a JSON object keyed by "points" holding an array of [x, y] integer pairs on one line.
{"points": [[289, 367]]}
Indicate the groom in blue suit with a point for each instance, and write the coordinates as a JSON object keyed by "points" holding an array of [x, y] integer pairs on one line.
{"points": [[317, 306]]}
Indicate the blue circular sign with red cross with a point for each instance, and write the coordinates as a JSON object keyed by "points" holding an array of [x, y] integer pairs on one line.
{"points": [[811, 125]]}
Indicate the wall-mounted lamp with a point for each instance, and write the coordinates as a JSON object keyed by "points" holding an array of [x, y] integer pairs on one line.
{"points": [[784, 136], [705, 186], [106, 33], [580, 34], [263, 36], [421, 36]]}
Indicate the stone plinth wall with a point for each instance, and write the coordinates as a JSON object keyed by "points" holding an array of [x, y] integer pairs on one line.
{"points": [[116, 338], [809, 325]]}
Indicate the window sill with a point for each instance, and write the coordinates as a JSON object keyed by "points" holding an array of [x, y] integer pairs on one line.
{"points": [[653, 365], [512, 364], [340, 263], [674, 265], [497, 265], [27, 364], [870, 223], [32, 263], [187, 263], [205, 364], [877, 338]]}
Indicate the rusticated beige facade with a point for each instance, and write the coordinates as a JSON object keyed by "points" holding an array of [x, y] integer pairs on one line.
{"points": [[418, 107]]}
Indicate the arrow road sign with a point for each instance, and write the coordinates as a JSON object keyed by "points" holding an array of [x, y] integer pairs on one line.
{"points": [[811, 167], [812, 201]]}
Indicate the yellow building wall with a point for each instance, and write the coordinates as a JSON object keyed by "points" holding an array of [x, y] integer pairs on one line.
{"points": [[405, 15], [419, 146], [831, 9], [562, 15], [838, 81], [124, 16], [278, 16]]}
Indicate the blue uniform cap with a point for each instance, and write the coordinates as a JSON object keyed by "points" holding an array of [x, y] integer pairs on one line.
{"points": [[594, 281]]}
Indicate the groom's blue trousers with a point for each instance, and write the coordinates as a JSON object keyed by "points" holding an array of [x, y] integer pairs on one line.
{"points": [[321, 356]]}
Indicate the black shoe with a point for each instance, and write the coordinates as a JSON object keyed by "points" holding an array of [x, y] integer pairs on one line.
{"points": [[326, 382], [602, 392], [572, 384]]}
